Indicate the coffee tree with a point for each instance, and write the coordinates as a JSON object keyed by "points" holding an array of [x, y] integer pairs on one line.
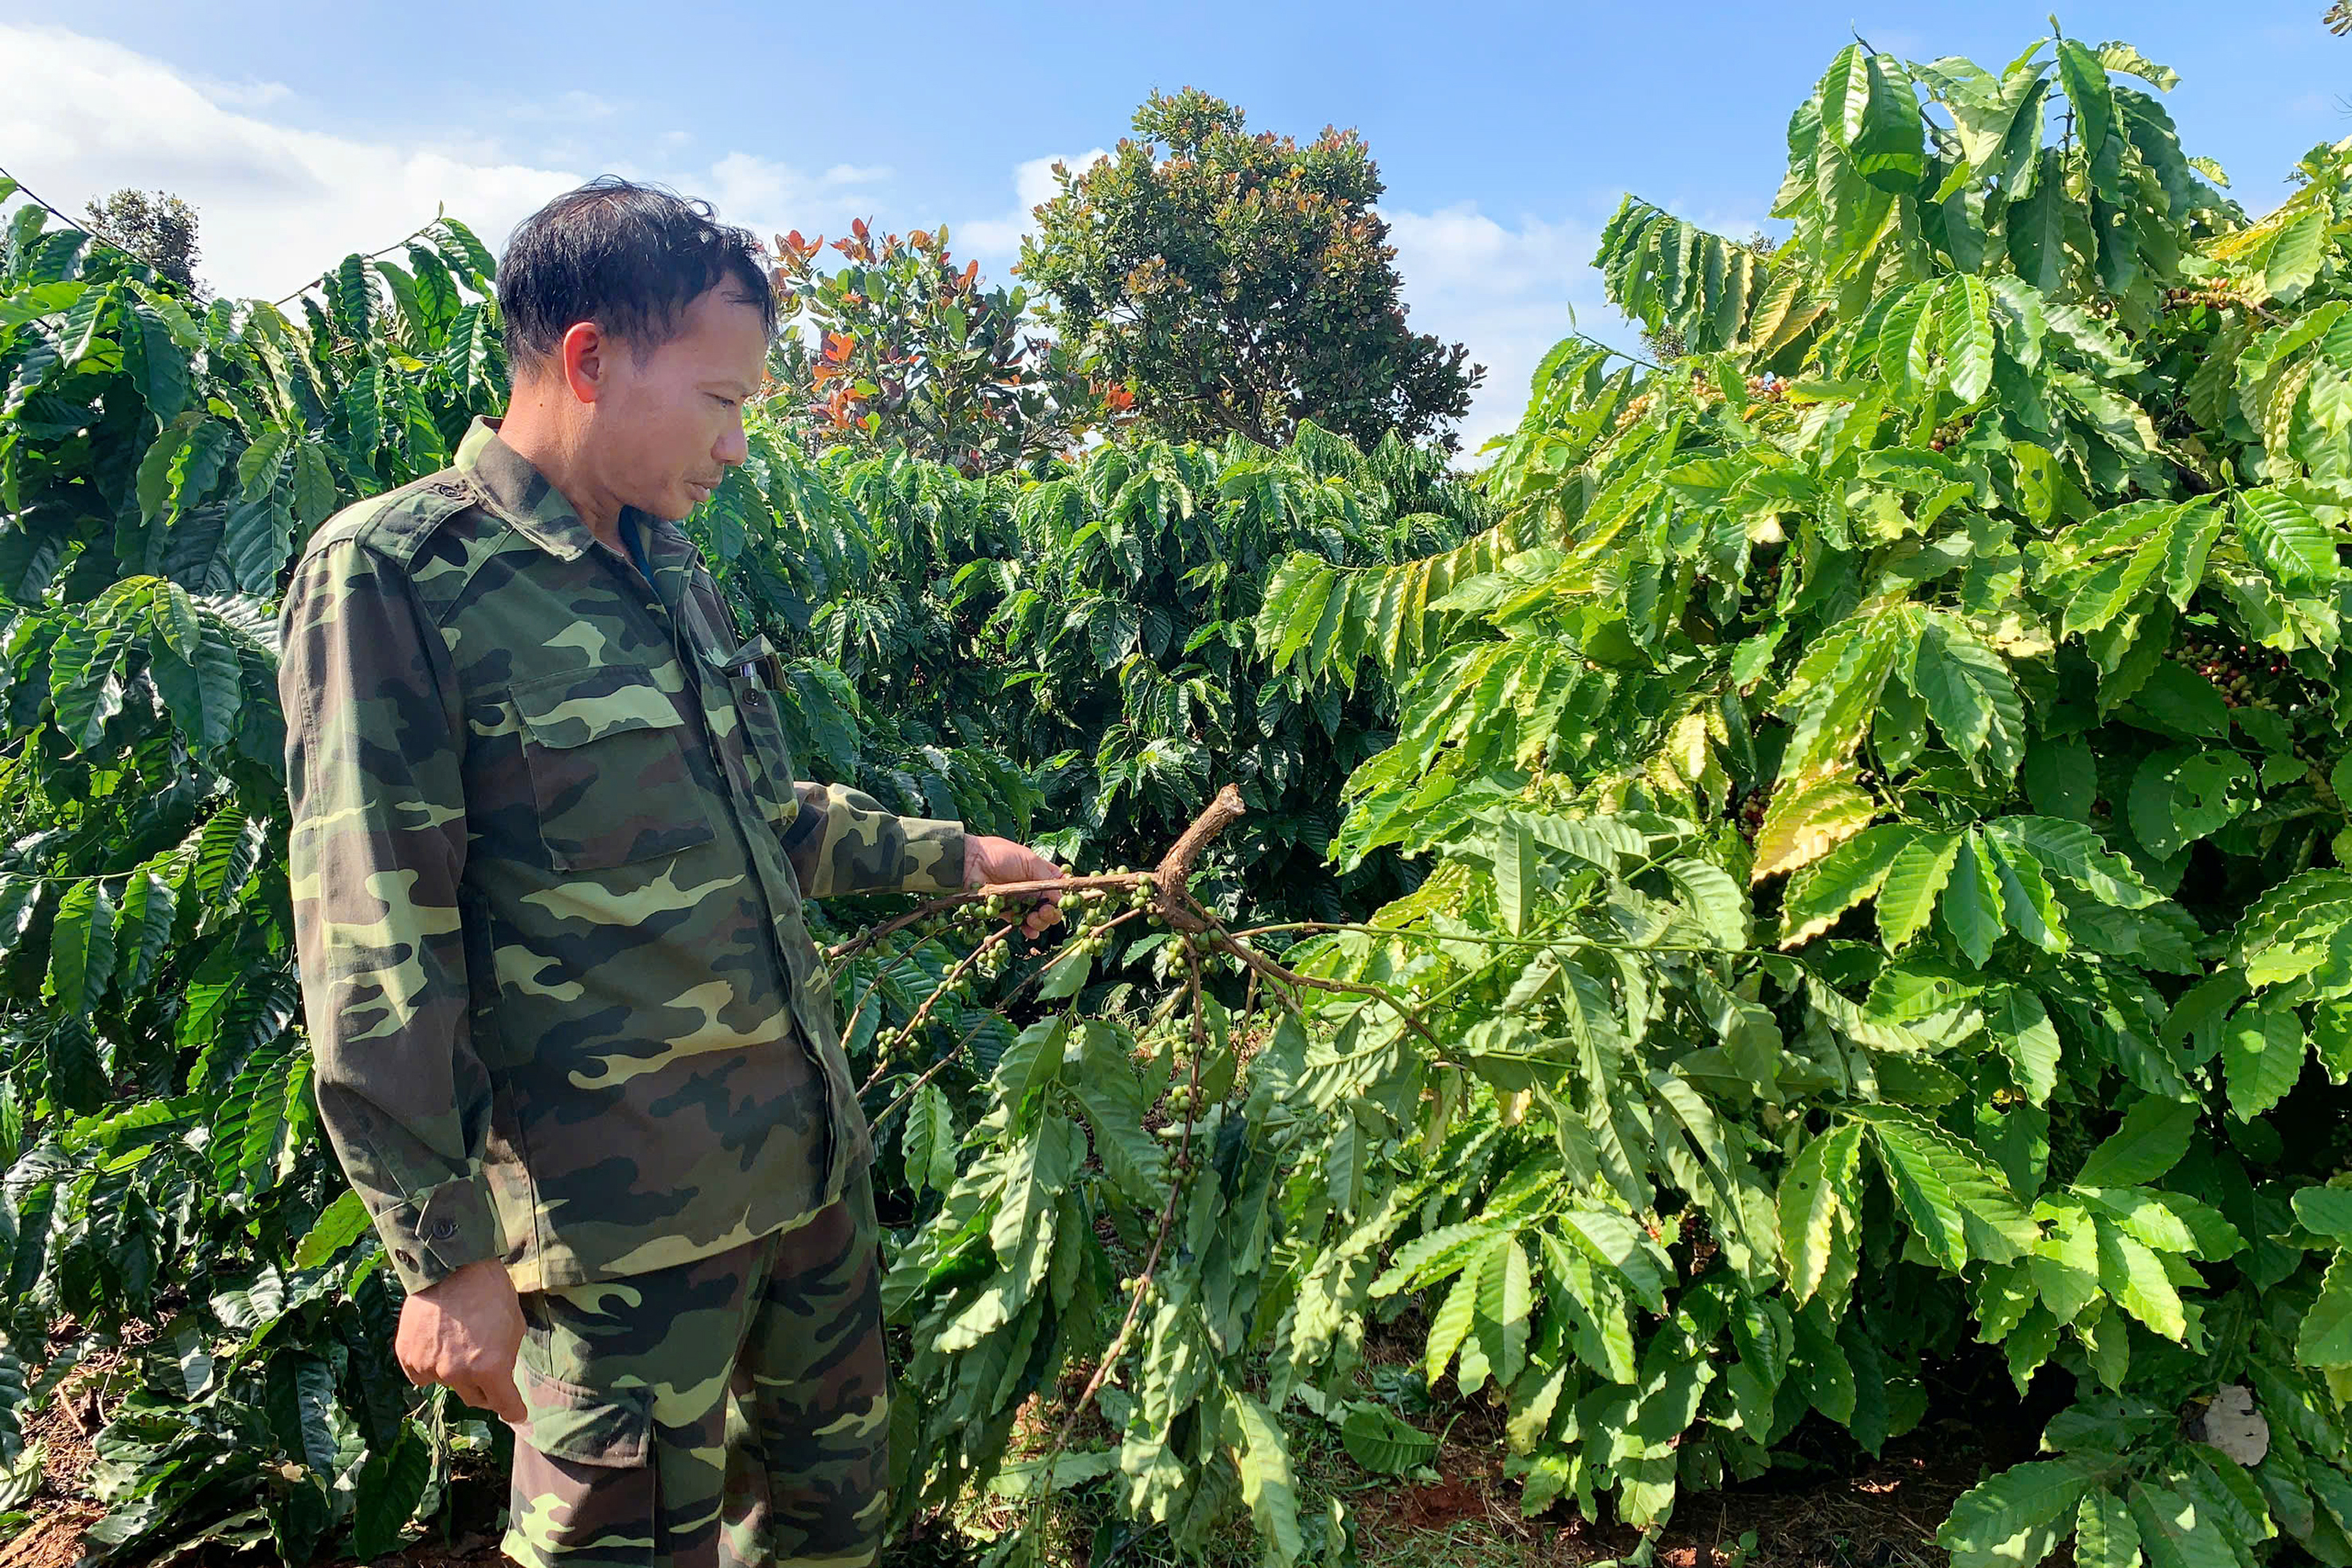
{"points": [[158, 468], [1955, 632], [1857, 823], [1094, 625], [156, 465]]}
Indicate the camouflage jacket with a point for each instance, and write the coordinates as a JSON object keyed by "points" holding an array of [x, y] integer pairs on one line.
{"points": [[547, 861]]}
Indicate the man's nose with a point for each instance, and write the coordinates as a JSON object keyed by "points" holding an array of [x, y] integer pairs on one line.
{"points": [[733, 450]]}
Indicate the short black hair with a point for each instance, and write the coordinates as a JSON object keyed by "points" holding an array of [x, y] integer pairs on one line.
{"points": [[628, 256]]}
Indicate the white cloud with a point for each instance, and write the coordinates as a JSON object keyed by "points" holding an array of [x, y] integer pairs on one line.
{"points": [[1509, 293], [1032, 184], [242, 94], [85, 116], [772, 198]]}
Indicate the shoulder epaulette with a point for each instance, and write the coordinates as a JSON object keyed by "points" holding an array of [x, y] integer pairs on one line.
{"points": [[399, 522]]}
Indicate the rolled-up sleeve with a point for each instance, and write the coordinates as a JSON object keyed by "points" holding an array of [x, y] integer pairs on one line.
{"points": [[843, 841], [374, 739]]}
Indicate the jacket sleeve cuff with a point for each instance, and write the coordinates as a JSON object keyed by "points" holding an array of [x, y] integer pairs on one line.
{"points": [[934, 856], [439, 1231], [844, 843]]}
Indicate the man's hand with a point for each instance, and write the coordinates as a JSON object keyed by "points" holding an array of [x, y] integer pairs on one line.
{"points": [[987, 860], [463, 1334]]}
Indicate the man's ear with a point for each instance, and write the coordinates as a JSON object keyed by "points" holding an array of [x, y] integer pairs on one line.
{"points": [[583, 354]]}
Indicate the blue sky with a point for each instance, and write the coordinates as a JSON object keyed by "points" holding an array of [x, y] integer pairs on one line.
{"points": [[1505, 132]]}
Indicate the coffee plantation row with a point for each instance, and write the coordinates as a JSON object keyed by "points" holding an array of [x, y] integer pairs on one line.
{"points": [[1824, 866]]}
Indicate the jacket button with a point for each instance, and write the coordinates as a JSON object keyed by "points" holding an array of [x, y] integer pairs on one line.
{"points": [[443, 1228], [406, 1259]]}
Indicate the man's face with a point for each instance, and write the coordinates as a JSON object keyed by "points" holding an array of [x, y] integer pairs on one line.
{"points": [[668, 425]]}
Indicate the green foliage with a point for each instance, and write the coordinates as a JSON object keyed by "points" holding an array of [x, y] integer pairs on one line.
{"points": [[1240, 284], [905, 350], [972, 646], [1876, 801], [1966, 601], [156, 465], [1076, 649], [1699, 289]]}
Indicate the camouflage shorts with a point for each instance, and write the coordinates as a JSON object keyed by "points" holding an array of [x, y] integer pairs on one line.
{"points": [[731, 1411]]}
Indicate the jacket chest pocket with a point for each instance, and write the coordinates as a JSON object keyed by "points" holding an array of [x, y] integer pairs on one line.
{"points": [[765, 750], [605, 750]]}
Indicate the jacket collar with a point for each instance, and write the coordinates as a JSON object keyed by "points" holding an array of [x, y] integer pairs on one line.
{"points": [[521, 495]]}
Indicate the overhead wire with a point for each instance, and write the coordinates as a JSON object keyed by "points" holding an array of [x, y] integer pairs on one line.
{"points": [[85, 224]]}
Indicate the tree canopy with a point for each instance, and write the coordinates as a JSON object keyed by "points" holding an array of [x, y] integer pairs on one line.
{"points": [[903, 348], [159, 229], [1239, 283]]}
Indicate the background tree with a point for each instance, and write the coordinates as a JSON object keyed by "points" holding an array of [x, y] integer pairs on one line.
{"points": [[159, 229], [908, 349], [1242, 283]]}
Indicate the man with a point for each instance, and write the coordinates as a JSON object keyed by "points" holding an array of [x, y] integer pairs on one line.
{"points": [[575, 1049]]}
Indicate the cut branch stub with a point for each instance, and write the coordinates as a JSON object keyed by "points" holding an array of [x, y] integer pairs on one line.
{"points": [[1175, 874]]}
